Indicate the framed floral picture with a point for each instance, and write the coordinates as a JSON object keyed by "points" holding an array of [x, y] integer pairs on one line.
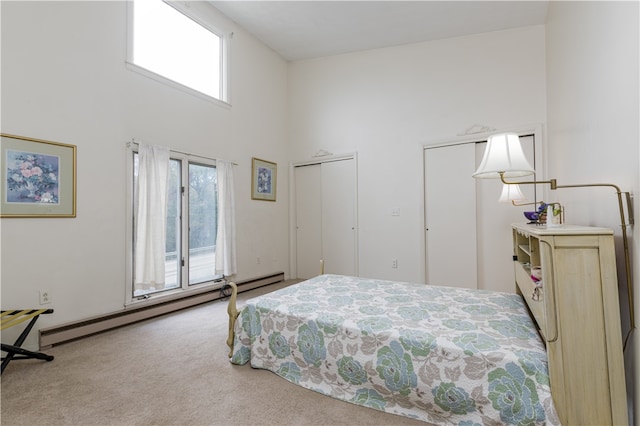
{"points": [[263, 180], [38, 178]]}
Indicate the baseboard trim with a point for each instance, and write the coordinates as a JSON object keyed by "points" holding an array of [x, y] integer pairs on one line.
{"points": [[63, 333]]}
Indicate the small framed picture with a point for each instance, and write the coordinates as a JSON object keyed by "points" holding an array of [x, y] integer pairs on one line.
{"points": [[263, 180], [38, 178]]}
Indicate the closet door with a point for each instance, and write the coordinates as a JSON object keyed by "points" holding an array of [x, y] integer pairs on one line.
{"points": [[325, 201], [466, 243], [308, 220], [450, 209], [338, 217], [495, 245]]}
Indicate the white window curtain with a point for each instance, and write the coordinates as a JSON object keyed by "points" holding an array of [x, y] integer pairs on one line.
{"points": [[151, 217], [226, 237]]}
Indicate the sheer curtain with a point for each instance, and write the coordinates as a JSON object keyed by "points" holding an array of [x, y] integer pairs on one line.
{"points": [[226, 238], [151, 217]]}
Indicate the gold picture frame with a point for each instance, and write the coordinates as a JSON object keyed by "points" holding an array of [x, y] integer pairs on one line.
{"points": [[38, 178], [264, 179]]}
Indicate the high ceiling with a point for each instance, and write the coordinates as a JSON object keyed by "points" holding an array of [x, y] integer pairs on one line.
{"points": [[310, 29]]}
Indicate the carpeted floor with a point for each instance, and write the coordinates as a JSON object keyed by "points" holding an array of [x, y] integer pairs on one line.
{"points": [[171, 370]]}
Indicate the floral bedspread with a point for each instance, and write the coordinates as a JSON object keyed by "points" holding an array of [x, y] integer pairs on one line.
{"points": [[439, 354]]}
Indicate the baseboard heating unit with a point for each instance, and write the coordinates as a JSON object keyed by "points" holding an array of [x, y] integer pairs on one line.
{"points": [[75, 330]]}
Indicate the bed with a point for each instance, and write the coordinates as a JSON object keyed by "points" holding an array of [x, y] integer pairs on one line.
{"points": [[443, 355]]}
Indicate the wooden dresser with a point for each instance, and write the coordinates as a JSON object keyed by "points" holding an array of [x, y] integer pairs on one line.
{"points": [[577, 310]]}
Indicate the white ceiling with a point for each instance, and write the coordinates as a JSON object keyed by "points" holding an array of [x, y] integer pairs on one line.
{"points": [[309, 29]]}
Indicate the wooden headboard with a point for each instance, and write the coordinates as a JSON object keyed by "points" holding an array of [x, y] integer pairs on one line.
{"points": [[576, 308]]}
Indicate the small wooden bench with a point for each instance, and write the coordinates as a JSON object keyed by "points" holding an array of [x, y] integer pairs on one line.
{"points": [[14, 317]]}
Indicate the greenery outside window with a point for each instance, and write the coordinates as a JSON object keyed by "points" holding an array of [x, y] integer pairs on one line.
{"points": [[191, 226]]}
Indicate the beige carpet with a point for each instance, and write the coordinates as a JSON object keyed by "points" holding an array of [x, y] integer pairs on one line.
{"points": [[171, 370]]}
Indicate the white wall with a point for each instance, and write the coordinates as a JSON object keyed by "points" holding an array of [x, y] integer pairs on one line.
{"points": [[593, 119], [64, 79], [386, 104]]}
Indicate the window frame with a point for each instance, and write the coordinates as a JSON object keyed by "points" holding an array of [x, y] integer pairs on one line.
{"points": [[205, 15], [184, 289]]}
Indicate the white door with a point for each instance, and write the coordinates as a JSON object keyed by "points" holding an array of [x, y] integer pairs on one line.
{"points": [[338, 217], [308, 220], [450, 205], [468, 232], [325, 200], [495, 244]]}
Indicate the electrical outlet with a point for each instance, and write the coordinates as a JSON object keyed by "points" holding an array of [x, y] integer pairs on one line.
{"points": [[45, 297], [257, 260], [394, 263], [395, 211]]}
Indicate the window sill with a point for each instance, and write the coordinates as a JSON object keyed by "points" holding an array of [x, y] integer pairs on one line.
{"points": [[173, 295], [168, 82]]}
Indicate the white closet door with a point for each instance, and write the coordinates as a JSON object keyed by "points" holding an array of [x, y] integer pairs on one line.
{"points": [[495, 242], [450, 216], [338, 217], [468, 237], [308, 195]]}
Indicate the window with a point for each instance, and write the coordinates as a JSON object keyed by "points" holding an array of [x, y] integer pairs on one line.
{"points": [[175, 42], [191, 226]]}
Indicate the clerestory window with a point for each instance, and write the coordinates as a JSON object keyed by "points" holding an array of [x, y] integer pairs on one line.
{"points": [[178, 43]]}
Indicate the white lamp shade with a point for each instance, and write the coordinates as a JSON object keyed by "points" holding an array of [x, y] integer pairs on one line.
{"points": [[511, 192], [503, 154]]}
